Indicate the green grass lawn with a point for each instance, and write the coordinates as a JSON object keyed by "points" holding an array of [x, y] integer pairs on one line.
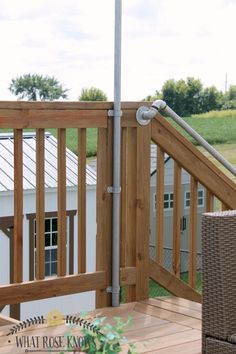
{"points": [[71, 140], [226, 150], [215, 127]]}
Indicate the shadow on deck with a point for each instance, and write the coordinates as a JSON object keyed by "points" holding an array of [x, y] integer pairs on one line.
{"points": [[162, 325]]}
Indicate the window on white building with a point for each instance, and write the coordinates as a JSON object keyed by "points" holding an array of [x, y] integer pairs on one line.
{"points": [[200, 198], [167, 202], [51, 231]]}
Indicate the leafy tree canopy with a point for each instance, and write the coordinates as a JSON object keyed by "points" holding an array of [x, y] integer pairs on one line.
{"points": [[187, 97], [231, 93], [211, 99], [157, 96], [37, 88], [92, 94]]}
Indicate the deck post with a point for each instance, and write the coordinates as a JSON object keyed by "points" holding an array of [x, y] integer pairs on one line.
{"points": [[143, 210]]}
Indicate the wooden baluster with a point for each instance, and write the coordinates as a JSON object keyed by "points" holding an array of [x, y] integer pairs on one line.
{"points": [[193, 232], [81, 200], [160, 175], [209, 201], [40, 222], [18, 216], [176, 219], [131, 206], [61, 252]]}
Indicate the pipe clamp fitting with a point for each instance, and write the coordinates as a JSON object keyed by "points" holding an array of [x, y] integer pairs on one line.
{"points": [[113, 190], [112, 113], [140, 115]]}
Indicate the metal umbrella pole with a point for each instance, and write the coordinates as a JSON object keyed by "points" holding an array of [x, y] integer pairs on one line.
{"points": [[116, 158]]}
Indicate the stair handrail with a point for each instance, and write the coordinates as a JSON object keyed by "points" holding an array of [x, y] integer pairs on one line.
{"points": [[145, 114]]}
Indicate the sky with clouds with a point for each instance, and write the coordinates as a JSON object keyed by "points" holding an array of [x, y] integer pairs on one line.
{"points": [[74, 41]]}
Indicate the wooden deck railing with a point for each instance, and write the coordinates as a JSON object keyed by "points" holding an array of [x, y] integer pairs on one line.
{"points": [[136, 266], [202, 171]]}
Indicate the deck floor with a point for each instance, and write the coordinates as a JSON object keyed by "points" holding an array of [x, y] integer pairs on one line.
{"points": [[166, 325]]}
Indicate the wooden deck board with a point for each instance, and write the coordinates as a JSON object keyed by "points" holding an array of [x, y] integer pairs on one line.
{"points": [[174, 308], [169, 315], [182, 302], [5, 320], [156, 331], [186, 348], [171, 340], [161, 325]]}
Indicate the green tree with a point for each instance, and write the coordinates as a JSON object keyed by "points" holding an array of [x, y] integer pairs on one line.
{"points": [[157, 96], [231, 93], [37, 88], [92, 94], [194, 89], [188, 97], [181, 98], [169, 93], [229, 98], [210, 99], [231, 104], [175, 93]]}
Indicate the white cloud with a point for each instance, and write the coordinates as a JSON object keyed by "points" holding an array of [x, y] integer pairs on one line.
{"points": [[73, 40]]}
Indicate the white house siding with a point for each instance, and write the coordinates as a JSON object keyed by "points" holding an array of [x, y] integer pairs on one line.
{"points": [[65, 304], [169, 175]]}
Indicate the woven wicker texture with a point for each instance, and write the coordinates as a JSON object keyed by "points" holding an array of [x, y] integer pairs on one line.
{"points": [[219, 276], [214, 346]]}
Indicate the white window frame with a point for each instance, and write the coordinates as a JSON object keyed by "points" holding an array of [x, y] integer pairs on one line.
{"points": [[169, 201], [51, 247], [202, 197]]}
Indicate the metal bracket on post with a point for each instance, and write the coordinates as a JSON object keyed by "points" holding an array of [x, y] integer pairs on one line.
{"points": [[113, 190], [109, 289], [140, 115], [111, 113], [113, 290]]}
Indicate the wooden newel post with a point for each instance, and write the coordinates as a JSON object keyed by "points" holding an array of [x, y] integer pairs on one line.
{"points": [[104, 211], [143, 211]]}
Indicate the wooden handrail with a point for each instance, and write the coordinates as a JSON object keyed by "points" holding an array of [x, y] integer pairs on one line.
{"points": [[58, 286], [68, 105], [172, 283]]}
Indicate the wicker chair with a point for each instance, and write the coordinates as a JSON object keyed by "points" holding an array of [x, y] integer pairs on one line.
{"points": [[219, 283]]}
